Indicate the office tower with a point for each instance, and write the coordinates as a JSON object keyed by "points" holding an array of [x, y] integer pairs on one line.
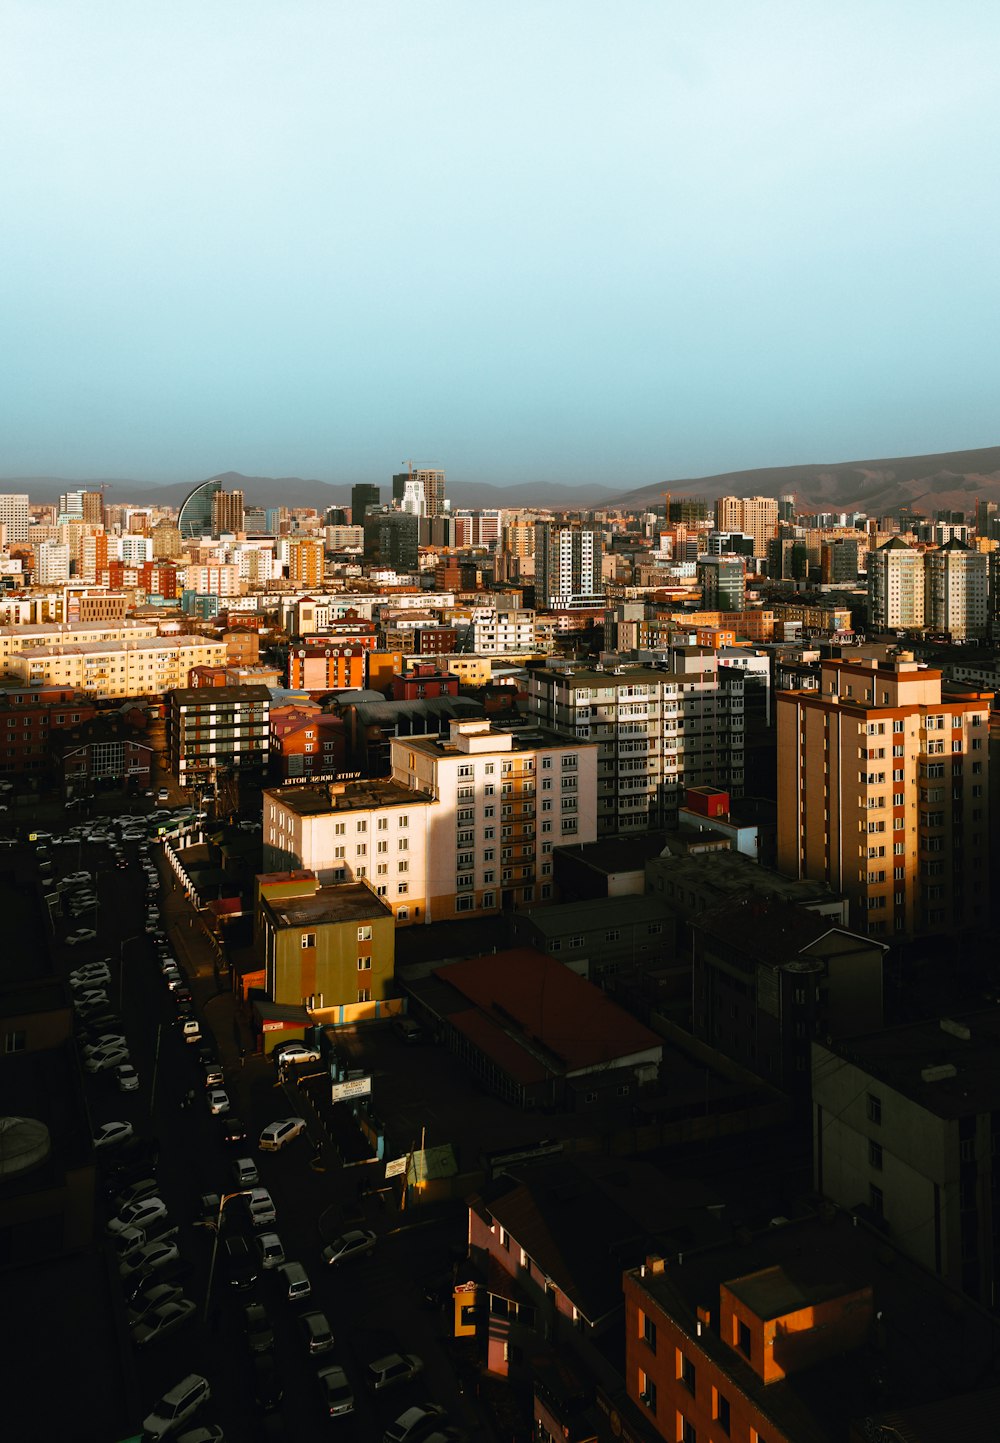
{"points": [[883, 791], [430, 481], [195, 517], [955, 591], [14, 515], [254, 519], [414, 499], [362, 496], [838, 561], [93, 507], [757, 515], [895, 587], [567, 566], [227, 513], [305, 561], [723, 582], [70, 507], [786, 507], [134, 550], [336, 516], [787, 559]]}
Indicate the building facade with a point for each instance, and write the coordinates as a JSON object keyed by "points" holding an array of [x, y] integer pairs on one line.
{"points": [[567, 566], [212, 730]]}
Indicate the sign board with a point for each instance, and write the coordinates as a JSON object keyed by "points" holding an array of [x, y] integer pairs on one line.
{"points": [[272, 1027], [354, 1087], [395, 1167]]}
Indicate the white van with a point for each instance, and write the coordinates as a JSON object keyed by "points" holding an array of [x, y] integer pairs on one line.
{"points": [[295, 1280]]}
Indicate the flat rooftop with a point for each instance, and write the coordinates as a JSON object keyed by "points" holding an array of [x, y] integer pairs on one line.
{"points": [[899, 1056], [556, 921], [929, 1344], [340, 902], [319, 800], [527, 738], [614, 855]]}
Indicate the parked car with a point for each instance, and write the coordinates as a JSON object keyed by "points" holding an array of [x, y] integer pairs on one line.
{"points": [[393, 1368], [233, 1130], [277, 1134], [213, 1074], [414, 1424], [245, 1172], [110, 1055], [163, 1320], [338, 1395], [190, 1029], [260, 1206], [177, 1405], [295, 1281], [97, 974], [155, 1296], [294, 1052], [267, 1389], [240, 1262], [269, 1250], [153, 1256], [134, 1192], [89, 996], [260, 1333], [126, 1077], [316, 1332], [139, 1214], [218, 1100], [81, 935], [211, 1433], [112, 1134], [349, 1245]]}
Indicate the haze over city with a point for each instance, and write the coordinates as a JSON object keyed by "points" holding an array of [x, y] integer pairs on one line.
{"points": [[559, 242]]}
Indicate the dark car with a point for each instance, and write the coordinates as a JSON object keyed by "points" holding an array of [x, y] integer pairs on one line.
{"points": [[232, 1129], [260, 1334], [140, 1282], [267, 1389], [241, 1263], [145, 1150]]}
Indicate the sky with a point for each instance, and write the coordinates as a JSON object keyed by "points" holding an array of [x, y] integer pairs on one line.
{"points": [[559, 240]]}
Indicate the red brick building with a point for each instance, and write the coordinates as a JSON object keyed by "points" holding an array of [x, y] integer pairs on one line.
{"points": [[423, 681], [327, 665], [102, 751], [28, 718], [306, 746]]}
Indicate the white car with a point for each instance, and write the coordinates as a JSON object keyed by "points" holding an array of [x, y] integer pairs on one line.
{"points": [[78, 877], [113, 1134], [152, 1256], [245, 1172], [163, 1320], [110, 1056], [260, 1206], [156, 1298], [82, 934], [269, 1250], [218, 1101], [176, 1406], [349, 1245], [138, 1214], [96, 975], [126, 1077], [191, 1030], [277, 1134], [293, 1052], [88, 996]]}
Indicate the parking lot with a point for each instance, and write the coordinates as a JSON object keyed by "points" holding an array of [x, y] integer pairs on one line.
{"points": [[374, 1304]]}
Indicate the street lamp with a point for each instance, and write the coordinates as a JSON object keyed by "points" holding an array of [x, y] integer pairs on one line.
{"points": [[136, 937], [227, 1197]]}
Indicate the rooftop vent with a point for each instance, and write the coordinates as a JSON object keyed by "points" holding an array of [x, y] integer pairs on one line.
{"points": [[955, 1029]]}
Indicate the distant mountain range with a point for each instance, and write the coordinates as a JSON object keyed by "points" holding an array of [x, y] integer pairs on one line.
{"points": [[951, 480], [298, 491]]}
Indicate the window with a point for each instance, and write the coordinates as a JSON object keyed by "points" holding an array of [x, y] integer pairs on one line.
{"points": [[875, 1155], [402, 888], [612, 934], [364, 994], [647, 1391], [364, 934], [403, 844], [686, 1374], [362, 826], [742, 1337], [307, 940], [364, 964], [873, 1109], [16, 1041], [383, 824], [382, 847], [647, 1330], [720, 1410], [876, 1200], [688, 1432], [339, 829]]}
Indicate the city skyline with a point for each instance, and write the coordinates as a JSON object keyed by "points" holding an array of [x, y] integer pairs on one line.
{"points": [[551, 244]]}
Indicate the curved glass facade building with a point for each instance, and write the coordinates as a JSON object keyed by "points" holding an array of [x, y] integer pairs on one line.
{"points": [[195, 518]]}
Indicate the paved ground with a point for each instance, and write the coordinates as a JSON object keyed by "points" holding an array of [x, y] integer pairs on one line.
{"points": [[374, 1305]]}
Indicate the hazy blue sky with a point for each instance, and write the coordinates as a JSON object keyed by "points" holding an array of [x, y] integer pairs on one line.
{"points": [[559, 239]]}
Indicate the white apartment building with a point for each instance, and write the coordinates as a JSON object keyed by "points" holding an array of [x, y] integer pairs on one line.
{"points": [[222, 580], [503, 800], [51, 564], [27, 635], [955, 591], [657, 731], [493, 633], [344, 538], [895, 586], [15, 516], [118, 668]]}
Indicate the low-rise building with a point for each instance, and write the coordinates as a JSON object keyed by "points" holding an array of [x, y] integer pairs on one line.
{"points": [[101, 751], [600, 939], [115, 669], [30, 717]]}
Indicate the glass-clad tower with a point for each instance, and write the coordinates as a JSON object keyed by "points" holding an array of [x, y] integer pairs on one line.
{"points": [[195, 517]]}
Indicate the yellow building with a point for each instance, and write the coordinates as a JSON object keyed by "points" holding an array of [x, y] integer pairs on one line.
{"points": [[27, 636], [883, 793], [305, 561], [147, 667], [326, 947]]}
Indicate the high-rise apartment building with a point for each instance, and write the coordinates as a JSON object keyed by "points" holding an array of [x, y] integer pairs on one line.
{"points": [[657, 731], [15, 518], [955, 591], [883, 793], [362, 496], [895, 587], [227, 513], [757, 515], [505, 798], [51, 563], [305, 560], [166, 541], [567, 566], [723, 582], [93, 507]]}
